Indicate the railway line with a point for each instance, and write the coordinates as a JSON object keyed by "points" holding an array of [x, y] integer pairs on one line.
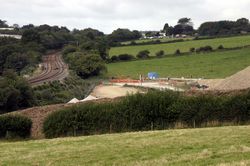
{"points": [[53, 69]]}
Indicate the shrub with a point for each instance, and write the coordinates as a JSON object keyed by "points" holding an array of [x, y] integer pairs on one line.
{"points": [[204, 49], [143, 54], [160, 54], [221, 47], [141, 112], [125, 57], [14, 126], [114, 58], [177, 52], [79, 120], [192, 49]]}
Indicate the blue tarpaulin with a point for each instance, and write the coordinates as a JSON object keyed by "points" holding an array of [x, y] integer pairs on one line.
{"points": [[153, 75]]}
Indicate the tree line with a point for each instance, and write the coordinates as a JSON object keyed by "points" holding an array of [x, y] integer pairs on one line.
{"points": [[216, 28]]}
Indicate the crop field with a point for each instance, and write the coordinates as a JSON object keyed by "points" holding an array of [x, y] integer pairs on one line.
{"points": [[170, 48], [210, 146], [206, 65]]}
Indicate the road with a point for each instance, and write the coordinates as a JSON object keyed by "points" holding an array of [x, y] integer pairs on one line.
{"points": [[53, 68]]}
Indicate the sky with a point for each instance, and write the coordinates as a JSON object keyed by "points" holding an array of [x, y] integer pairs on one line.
{"points": [[108, 15]]}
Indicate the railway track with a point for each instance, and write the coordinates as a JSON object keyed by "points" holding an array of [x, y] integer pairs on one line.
{"points": [[53, 69]]}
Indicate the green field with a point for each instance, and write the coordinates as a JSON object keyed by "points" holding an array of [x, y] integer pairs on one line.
{"points": [[207, 65], [170, 48], [210, 146], [150, 40]]}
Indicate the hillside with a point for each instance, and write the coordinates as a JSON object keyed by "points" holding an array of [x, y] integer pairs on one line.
{"points": [[207, 65], [210, 146], [183, 46]]}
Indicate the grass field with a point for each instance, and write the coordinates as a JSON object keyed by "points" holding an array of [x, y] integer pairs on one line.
{"points": [[208, 65], [170, 48], [150, 40], [210, 146]]}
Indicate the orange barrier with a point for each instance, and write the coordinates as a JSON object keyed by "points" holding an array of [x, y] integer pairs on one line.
{"points": [[124, 81]]}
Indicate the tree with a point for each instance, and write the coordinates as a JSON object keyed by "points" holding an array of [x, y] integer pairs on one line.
{"points": [[31, 35], [166, 27], [224, 27], [185, 21], [184, 26], [15, 92], [121, 35], [3, 24], [86, 65]]}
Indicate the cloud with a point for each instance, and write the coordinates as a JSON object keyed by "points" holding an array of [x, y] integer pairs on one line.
{"points": [[107, 15]]}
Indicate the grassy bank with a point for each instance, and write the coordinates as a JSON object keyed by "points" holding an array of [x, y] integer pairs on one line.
{"points": [[207, 65], [170, 48], [211, 146]]}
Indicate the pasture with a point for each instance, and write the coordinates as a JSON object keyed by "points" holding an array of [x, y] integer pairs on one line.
{"points": [[210, 146], [205, 65], [151, 40], [170, 48]]}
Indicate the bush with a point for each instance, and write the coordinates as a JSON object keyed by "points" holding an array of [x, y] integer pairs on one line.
{"points": [[114, 58], [160, 54], [204, 49], [79, 120], [192, 49], [125, 57], [177, 52], [221, 47], [142, 112], [143, 54], [14, 126]]}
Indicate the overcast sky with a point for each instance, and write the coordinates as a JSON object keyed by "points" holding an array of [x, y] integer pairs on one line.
{"points": [[107, 15]]}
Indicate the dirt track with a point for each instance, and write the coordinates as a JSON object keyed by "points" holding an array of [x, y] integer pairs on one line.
{"points": [[53, 69], [112, 91]]}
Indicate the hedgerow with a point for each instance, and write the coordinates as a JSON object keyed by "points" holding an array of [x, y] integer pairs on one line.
{"points": [[152, 111], [15, 126]]}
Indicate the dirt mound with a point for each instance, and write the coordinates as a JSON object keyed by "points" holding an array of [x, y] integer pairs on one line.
{"points": [[238, 81]]}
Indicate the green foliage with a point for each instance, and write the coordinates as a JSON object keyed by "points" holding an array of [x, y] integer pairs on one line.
{"points": [[85, 65], [15, 93], [14, 126], [192, 49], [154, 110], [57, 92], [177, 52], [125, 57], [69, 49], [114, 58], [204, 49], [143, 54], [17, 56], [224, 27], [160, 54], [221, 47], [121, 35]]}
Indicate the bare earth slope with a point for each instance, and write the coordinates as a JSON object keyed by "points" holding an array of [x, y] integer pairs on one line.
{"points": [[238, 81]]}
